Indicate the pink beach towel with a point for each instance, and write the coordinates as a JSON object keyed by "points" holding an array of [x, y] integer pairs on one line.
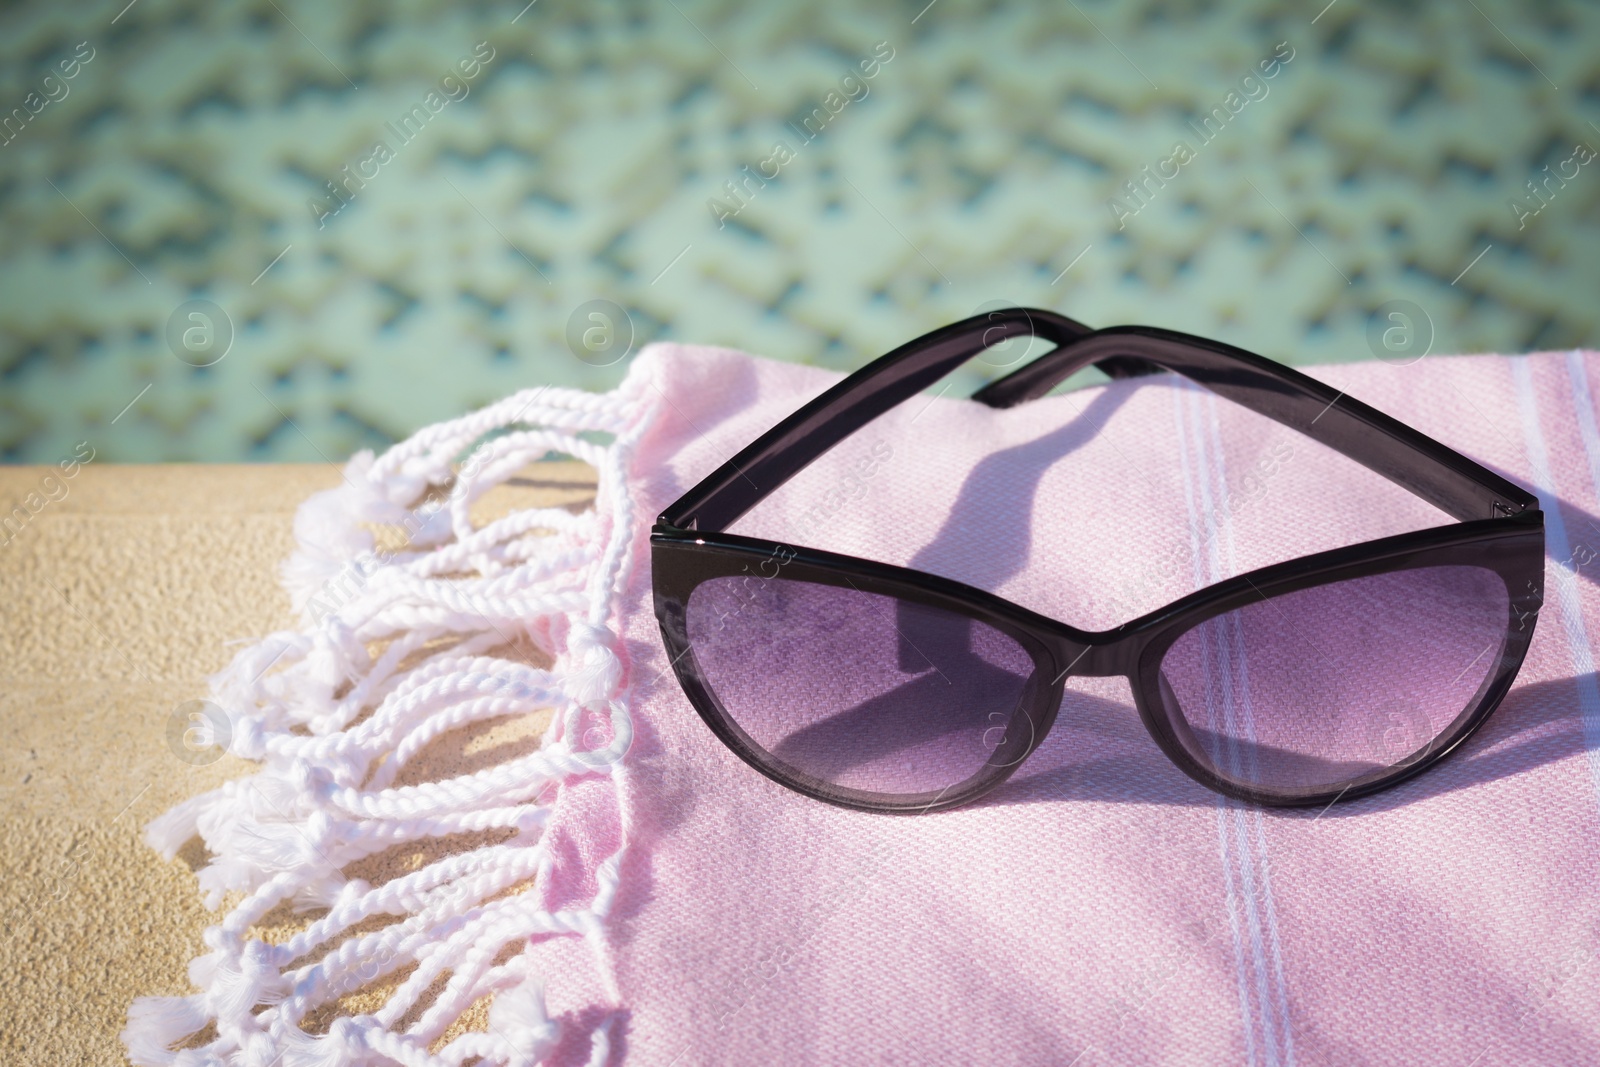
{"points": [[1100, 907]]}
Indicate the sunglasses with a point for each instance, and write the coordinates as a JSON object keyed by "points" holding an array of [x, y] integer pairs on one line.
{"points": [[890, 689]]}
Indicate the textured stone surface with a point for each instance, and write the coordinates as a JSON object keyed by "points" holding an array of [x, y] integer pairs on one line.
{"points": [[120, 598]]}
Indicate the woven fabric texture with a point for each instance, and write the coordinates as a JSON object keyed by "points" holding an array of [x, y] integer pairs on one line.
{"points": [[1101, 907]]}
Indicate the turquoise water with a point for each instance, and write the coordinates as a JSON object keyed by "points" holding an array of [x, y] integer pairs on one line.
{"points": [[280, 230]]}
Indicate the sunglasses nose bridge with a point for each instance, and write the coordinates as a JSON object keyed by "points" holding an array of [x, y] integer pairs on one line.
{"points": [[1095, 656]]}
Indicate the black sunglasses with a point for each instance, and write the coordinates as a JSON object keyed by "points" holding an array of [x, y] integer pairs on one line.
{"points": [[890, 689]]}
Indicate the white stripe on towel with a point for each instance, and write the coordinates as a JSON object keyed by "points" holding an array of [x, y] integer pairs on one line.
{"points": [[1559, 548], [1252, 916]]}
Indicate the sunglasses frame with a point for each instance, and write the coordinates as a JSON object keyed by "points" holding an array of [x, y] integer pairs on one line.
{"points": [[1502, 529]]}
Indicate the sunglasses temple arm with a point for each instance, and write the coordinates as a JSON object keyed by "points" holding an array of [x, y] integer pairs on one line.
{"points": [[1438, 474], [786, 449], [1422, 465]]}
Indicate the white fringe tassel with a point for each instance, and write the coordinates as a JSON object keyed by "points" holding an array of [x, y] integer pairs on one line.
{"points": [[332, 724]]}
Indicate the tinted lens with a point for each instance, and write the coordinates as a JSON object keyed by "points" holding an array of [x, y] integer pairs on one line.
{"points": [[857, 690], [1322, 686]]}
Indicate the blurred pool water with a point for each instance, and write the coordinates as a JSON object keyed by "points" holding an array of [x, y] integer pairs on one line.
{"points": [[277, 230]]}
